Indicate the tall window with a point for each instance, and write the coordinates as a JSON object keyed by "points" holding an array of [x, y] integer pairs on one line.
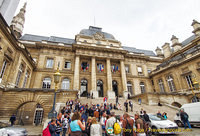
{"points": [[46, 83], [142, 87], [189, 81], [19, 75], [65, 83], [3, 69], [84, 66], [171, 85], [127, 69], [129, 87], [67, 64], [161, 85], [139, 70], [26, 79], [49, 63]]}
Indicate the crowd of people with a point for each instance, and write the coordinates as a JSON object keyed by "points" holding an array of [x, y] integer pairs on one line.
{"points": [[76, 119]]}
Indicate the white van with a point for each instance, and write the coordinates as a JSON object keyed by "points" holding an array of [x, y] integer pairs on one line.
{"points": [[193, 110]]}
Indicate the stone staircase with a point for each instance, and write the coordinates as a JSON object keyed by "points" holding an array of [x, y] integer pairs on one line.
{"points": [[171, 112]]}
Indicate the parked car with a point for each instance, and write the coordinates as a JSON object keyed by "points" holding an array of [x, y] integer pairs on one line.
{"points": [[7, 130], [193, 110], [160, 125]]}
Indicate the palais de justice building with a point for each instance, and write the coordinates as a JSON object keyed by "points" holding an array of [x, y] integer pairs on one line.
{"points": [[94, 62]]}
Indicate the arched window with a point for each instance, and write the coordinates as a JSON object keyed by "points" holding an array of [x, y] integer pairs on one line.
{"points": [[46, 83], [161, 85], [129, 87], [170, 82], [66, 83], [142, 87]]}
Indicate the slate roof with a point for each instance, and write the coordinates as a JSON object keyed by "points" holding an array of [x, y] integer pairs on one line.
{"points": [[188, 40], [93, 30], [139, 51], [37, 38]]}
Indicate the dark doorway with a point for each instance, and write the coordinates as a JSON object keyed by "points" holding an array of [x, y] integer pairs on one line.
{"points": [[100, 88], [84, 88], [115, 87]]}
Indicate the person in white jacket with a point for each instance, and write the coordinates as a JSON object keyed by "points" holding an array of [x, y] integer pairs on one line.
{"points": [[95, 129]]}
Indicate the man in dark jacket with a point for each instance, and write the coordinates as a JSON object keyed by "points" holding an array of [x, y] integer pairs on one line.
{"points": [[184, 118], [126, 105], [52, 127], [12, 119], [146, 117]]}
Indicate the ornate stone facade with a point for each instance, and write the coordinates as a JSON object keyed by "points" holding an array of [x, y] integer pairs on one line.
{"points": [[94, 63]]}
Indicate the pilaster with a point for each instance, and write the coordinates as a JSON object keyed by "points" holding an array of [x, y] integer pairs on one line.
{"points": [[93, 79], [110, 93], [76, 73], [124, 81]]}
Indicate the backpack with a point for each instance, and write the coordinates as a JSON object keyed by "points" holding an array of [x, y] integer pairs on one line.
{"points": [[117, 128], [46, 131], [129, 129]]}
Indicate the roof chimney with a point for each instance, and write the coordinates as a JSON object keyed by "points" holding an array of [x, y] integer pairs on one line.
{"points": [[175, 43], [196, 26], [166, 50], [159, 52]]}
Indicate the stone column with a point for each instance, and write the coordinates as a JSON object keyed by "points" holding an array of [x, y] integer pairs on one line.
{"points": [[76, 73], [110, 92], [124, 81], [93, 79]]}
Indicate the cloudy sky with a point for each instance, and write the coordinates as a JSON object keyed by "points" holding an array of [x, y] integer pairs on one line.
{"points": [[144, 24]]}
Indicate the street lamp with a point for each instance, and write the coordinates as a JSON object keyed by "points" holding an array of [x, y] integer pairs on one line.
{"points": [[53, 113]]}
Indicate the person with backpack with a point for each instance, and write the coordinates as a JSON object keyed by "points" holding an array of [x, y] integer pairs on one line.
{"points": [[112, 126], [139, 126], [128, 126], [184, 118]]}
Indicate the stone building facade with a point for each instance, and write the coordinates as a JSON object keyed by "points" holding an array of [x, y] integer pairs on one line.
{"points": [[94, 62]]}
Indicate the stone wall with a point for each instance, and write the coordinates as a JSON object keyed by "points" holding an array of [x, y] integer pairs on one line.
{"points": [[13, 99]]}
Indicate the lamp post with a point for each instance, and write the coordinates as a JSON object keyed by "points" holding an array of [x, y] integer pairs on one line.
{"points": [[53, 113], [196, 86]]}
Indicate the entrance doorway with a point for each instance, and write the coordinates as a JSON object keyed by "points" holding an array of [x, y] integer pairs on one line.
{"points": [[100, 88], [38, 115], [84, 88], [115, 87]]}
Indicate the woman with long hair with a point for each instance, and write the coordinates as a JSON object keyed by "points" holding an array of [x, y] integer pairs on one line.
{"points": [[95, 129], [76, 126]]}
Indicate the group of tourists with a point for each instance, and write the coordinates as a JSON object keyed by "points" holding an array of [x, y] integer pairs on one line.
{"points": [[78, 119]]}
